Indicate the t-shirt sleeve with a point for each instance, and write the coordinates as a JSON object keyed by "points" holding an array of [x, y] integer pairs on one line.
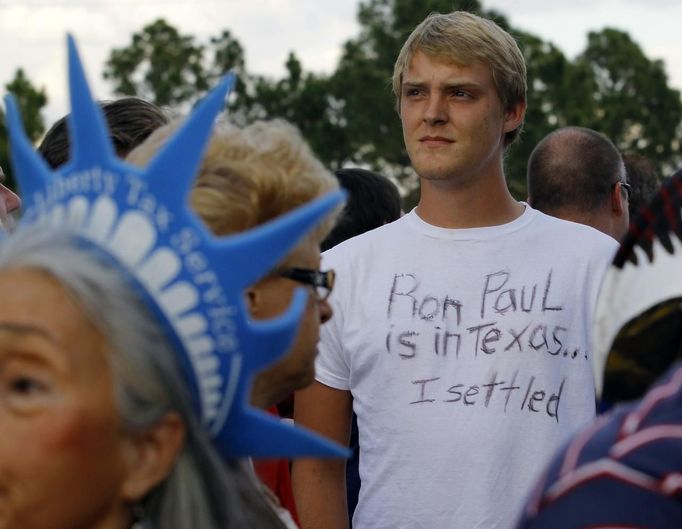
{"points": [[332, 365]]}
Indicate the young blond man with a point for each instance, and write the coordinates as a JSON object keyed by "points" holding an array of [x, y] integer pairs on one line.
{"points": [[461, 331]]}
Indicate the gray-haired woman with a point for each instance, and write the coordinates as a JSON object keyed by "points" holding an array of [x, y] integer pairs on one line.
{"points": [[97, 426]]}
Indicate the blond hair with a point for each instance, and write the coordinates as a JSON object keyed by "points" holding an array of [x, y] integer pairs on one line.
{"points": [[251, 175], [464, 38]]}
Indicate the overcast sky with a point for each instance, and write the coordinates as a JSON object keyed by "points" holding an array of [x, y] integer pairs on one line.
{"points": [[32, 32]]}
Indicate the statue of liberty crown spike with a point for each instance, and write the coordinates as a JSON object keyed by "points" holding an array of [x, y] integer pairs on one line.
{"points": [[192, 280]]}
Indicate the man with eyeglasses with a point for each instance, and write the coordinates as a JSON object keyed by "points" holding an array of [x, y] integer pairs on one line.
{"points": [[577, 174], [624, 470]]}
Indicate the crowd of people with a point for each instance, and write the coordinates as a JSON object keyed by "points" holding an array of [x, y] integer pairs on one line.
{"points": [[168, 314]]}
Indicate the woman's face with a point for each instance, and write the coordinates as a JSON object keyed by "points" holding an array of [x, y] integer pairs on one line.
{"points": [[9, 203], [62, 444], [271, 297]]}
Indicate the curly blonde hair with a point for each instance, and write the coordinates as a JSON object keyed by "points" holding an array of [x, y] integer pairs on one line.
{"points": [[252, 175]]}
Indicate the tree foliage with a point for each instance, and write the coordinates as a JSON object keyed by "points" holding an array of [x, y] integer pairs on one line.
{"points": [[31, 101], [632, 102], [558, 95], [160, 65], [308, 101], [349, 116]]}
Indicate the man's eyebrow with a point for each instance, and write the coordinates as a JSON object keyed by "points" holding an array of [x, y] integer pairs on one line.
{"points": [[468, 85]]}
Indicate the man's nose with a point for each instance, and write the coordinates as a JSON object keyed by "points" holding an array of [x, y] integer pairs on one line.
{"points": [[436, 111]]}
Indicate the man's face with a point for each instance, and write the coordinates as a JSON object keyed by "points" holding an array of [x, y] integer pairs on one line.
{"points": [[453, 120]]}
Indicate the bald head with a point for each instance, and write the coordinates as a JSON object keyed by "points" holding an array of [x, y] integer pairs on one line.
{"points": [[573, 167], [573, 173]]}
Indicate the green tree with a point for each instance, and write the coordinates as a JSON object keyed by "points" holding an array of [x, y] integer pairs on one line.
{"points": [[612, 87], [632, 102], [349, 117], [160, 65], [306, 100], [168, 68], [31, 101], [227, 54], [559, 94]]}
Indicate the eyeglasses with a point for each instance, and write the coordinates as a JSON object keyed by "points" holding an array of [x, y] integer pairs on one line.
{"points": [[322, 282], [627, 187]]}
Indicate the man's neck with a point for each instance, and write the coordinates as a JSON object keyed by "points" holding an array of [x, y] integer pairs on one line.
{"points": [[475, 204]]}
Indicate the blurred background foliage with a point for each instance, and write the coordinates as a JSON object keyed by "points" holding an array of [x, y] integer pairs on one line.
{"points": [[348, 116]]}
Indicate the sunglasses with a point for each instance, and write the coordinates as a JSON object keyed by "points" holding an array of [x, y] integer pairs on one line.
{"points": [[322, 282]]}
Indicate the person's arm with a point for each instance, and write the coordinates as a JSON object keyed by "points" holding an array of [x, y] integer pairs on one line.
{"points": [[320, 484]]}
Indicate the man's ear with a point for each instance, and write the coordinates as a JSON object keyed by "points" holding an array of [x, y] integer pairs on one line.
{"points": [[618, 205], [151, 455], [513, 116]]}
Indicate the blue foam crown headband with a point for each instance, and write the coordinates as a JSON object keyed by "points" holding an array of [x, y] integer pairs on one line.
{"points": [[192, 280]]}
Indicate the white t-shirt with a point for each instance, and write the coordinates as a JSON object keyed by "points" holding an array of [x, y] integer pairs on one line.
{"points": [[467, 353]]}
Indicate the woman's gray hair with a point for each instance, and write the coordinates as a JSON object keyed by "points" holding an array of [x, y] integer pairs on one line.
{"points": [[201, 491]]}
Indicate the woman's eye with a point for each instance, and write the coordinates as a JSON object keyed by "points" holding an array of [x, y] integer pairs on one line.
{"points": [[25, 385], [25, 393]]}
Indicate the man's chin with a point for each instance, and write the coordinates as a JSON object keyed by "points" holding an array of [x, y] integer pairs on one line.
{"points": [[433, 167], [434, 173], [434, 176]]}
